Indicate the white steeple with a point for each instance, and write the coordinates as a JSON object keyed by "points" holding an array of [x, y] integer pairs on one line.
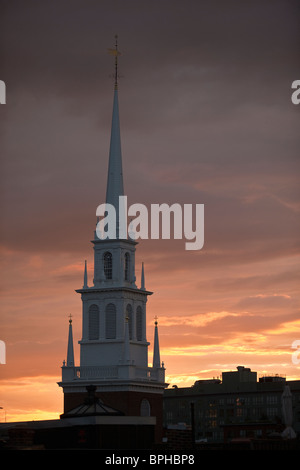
{"points": [[114, 346], [115, 187]]}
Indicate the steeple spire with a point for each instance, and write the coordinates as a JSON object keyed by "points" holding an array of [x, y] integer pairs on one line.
{"points": [[156, 354], [115, 186], [70, 352]]}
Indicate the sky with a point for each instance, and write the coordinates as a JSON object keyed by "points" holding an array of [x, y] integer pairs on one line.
{"points": [[206, 118]]}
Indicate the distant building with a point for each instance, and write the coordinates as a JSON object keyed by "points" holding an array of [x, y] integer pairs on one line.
{"points": [[236, 407]]}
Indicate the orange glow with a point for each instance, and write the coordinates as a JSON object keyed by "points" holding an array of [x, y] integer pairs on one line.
{"points": [[196, 341]]}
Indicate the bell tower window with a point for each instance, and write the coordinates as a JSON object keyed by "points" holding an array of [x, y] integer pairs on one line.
{"points": [[107, 263], [94, 322], [129, 315], [110, 321], [127, 266], [139, 323]]}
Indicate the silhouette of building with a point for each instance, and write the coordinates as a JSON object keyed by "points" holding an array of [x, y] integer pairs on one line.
{"points": [[234, 407], [114, 346]]}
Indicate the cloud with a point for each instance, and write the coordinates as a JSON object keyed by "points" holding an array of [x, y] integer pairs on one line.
{"points": [[267, 302], [195, 320], [292, 326]]}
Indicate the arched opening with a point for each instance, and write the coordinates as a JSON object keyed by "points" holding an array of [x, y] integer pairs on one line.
{"points": [[145, 409], [110, 321], [127, 267], [139, 323], [93, 322], [129, 315], [107, 264]]}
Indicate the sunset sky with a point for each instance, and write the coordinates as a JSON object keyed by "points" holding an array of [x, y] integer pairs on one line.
{"points": [[206, 118]]}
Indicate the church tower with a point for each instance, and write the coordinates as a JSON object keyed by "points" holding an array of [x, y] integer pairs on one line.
{"points": [[114, 346]]}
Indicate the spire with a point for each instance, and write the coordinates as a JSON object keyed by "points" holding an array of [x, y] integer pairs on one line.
{"points": [[143, 278], [115, 173], [70, 353], [156, 355], [85, 281]]}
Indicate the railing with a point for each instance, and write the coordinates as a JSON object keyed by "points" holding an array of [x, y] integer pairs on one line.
{"points": [[147, 374], [99, 372]]}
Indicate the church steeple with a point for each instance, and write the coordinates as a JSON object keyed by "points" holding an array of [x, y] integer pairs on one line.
{"points": [[115, 187], [114, 346]]}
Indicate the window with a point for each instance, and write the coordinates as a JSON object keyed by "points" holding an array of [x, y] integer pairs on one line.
{"points": [[129, 316], [94, 322], [127, 267], [258, 400], [145, 407], [139, 323], [107, 263], [271, 411], [272, 399], [110, 321]]}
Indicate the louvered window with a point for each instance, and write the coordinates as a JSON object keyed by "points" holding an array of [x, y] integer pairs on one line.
{"points": [[127, 266], [94, 322], [110, 321], [107, 263], [129, 315], [139, 323]]}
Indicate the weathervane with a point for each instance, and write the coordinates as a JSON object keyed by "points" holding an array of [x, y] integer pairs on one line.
{"points": [[115, 52]]}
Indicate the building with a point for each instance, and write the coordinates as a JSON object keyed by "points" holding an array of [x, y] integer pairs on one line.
{"points": [[90, 425], [114, 346], [238, 406]]}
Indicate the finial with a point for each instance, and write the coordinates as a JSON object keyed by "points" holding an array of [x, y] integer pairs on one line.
{"points": [[70, 317], [116, 53], [143, 278], [85, 276], [155, 318]]}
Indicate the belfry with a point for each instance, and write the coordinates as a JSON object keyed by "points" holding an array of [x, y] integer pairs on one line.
{"points": [[114, 346]]}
